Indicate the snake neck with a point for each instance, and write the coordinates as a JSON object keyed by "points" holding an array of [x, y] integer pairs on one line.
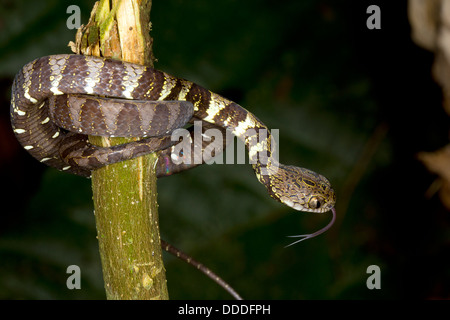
{"points": [[215, 109]]}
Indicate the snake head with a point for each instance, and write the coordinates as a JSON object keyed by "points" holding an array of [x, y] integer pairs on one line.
{"points": [[301, 189]]}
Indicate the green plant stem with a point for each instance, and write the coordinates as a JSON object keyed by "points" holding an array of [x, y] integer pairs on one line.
{"points": [[124, 194]]}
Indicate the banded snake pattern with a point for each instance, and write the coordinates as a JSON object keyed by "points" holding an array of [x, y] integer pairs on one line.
{"points": [[58, 100]]}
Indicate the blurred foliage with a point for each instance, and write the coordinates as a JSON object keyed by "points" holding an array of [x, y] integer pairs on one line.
{"points": [[353, 104]]}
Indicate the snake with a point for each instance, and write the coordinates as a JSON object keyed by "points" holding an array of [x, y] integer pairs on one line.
{"points": [[58, 100], [147, 103]]}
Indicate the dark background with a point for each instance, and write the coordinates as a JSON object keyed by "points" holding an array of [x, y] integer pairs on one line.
{"points": [[353, 104]]}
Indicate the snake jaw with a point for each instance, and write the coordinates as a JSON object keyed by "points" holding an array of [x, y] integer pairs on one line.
{"points": [[324, 208], [299, 207]]}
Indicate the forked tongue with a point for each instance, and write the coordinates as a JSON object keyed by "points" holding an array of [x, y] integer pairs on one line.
{"points": [[315, 234]]}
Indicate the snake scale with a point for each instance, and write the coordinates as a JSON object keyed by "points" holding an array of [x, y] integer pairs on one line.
{"points": [[58, 100]]}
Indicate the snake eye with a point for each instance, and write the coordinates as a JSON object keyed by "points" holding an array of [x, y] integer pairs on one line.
{"points": [[314, 203]]}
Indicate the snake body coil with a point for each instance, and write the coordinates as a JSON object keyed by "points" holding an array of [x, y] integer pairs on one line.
{"points": [[53, 129]]}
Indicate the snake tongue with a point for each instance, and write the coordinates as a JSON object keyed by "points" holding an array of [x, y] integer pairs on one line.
{"points": [[315, 234]]}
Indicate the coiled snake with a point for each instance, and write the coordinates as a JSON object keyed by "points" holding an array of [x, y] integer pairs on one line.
{"points": [[56, 101]]}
